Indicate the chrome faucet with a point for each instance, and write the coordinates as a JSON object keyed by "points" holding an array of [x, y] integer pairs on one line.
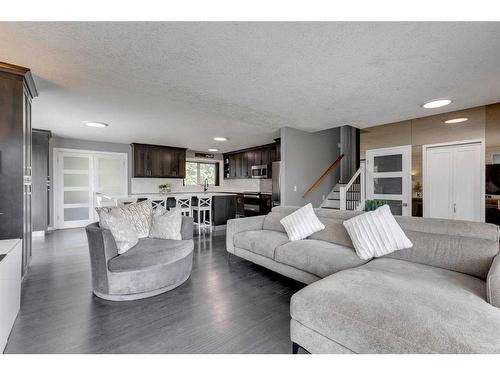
{"points": [[205, 185]]}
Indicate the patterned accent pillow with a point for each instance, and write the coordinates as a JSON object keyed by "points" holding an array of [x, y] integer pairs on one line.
{"points": [[139, 214], [166, 225], [120, 227]]}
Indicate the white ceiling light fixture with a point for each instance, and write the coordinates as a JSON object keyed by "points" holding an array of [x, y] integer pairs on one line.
{"points": [[220, 139], [213, 149], [95, 124], [456, 120], [437, 103]]}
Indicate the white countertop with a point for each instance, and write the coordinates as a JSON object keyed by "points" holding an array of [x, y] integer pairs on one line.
{"points": [[7, 245], [180, 194]]}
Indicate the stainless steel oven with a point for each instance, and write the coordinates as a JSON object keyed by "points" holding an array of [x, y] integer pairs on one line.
{"points": [[251, 204], [259, 171]]}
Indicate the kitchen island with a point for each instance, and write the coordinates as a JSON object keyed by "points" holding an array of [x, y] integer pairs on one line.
{"points": [[223, 204]]}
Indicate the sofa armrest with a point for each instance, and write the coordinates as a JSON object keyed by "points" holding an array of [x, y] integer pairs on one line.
{"points": [[493, 282], [187, 227], [245, 224]]}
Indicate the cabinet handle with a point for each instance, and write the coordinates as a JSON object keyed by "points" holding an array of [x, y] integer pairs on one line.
{"points": [[454, 208]]}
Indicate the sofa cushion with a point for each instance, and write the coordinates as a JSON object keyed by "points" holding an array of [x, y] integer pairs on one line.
{"points": [[262, 242], [334, 232], [272, 221], [317, 257], [150, 252], [395, 306], [456, 245]]}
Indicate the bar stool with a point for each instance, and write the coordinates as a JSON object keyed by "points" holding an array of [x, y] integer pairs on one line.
{"points": [[204, 205], [155, 203], [185, 205]]}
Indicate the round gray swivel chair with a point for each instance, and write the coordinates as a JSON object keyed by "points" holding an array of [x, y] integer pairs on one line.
{"points": [[151, 267]]}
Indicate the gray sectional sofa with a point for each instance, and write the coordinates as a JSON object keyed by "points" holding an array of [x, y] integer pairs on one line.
{"points": [[151, 267], [441, 296]]}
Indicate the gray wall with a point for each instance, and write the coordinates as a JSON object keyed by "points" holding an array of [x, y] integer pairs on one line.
{"points": [[305, 156], [58, 142]]}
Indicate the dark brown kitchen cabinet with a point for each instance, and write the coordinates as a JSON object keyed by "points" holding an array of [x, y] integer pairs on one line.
{"points": [[159, 161], [238, 164], [17, 89], [41, 179]]}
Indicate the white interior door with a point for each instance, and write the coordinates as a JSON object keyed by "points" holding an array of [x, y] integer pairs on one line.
{"points": [[73, 193], [388, 177], [110, 179], [85, 180], [453, 180]]}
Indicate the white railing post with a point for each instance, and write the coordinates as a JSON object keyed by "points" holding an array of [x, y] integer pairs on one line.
{"points": [[342, 198], [362, 186]]}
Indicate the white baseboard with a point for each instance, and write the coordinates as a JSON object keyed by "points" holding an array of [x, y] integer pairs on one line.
{"points": [[38, 233]]}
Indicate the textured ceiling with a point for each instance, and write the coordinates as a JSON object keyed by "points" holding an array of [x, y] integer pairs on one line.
{"points": [[183, 83]]}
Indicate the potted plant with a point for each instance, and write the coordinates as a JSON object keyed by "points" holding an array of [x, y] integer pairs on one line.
{"points": [[417, 189], [373, 204], [164, 188]]}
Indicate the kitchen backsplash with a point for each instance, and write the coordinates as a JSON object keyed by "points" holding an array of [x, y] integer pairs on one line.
{"points": [[150, 185]]}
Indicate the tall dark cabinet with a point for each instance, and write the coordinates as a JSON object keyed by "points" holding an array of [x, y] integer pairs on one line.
{"points": [[17, 89], [41, 180]]}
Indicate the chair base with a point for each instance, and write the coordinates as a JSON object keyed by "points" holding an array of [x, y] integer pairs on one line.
{"points": [[136, 296]]}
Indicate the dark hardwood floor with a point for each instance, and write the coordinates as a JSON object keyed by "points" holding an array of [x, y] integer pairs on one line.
{"points": [[222, 308]]}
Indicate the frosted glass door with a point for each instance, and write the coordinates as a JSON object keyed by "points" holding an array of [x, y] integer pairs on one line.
{"points": [[85, 180], [388, 178], [74, 190], [110, 179]]}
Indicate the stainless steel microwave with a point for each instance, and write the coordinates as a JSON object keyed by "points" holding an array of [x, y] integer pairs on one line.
{"points": [[259, 171]]}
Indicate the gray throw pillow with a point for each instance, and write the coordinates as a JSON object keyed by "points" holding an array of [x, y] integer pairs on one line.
{"points": [[120, 227], [166, 225]]}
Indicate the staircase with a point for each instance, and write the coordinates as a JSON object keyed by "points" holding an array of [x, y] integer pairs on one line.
{"points": [[350, 196], [332, 201]]}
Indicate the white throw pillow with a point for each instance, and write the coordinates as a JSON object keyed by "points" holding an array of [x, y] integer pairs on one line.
{"points": [[302, 223], [120, 227], [376, 233], [139, 214], [166, 225]]}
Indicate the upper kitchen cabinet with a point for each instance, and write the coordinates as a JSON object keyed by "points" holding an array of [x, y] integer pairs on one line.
{"points": [[238, 164], [159, 161]]}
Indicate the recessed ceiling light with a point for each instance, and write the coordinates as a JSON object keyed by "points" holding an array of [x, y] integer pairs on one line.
{"points": [[456, 120], [220, 139], [436, 103], [95, 124], [213, 149]]}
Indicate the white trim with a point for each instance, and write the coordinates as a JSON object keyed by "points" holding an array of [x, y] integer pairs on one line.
{"points": [[77, 150], [38, 233], [481, 141], [56, 152]]}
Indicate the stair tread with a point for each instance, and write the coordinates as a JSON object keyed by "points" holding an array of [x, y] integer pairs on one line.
{"points": [[347, 200]]}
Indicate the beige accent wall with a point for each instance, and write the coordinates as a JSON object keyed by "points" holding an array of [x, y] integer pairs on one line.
{"points": [[492, 131], [483, 123]]}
